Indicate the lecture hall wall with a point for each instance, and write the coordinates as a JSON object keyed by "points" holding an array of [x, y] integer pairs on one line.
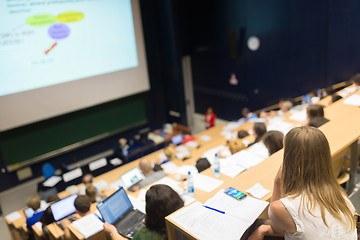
{"points": [[304, 45]]}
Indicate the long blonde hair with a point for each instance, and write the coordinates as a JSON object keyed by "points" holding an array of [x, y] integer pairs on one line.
{"points": [[307, 171]]}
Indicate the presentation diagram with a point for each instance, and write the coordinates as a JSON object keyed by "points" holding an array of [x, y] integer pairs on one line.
{"points": [[58, 25], [57, 41]]}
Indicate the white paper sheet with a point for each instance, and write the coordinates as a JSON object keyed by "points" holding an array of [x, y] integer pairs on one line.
{"points": [[13, 216], [231, 126], [353, 100], [38, 225], [184, 169], [205, 138], [210, 154], [52, 181], [259, 149], [102, 184], [192, 144], [88, 225], [138, 204], [258, 191], [181, 148], [246, 159], [208, 224], [97, 164], [231, 170], [299, 116], [162, 156], [142, 194], [115, 161], [170, 168], [72, 174], [206, 183], [116, 185], [181, 155], [247, 209]]}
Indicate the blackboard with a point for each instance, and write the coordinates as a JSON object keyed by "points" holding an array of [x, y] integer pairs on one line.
{"points": [[38, 141]]}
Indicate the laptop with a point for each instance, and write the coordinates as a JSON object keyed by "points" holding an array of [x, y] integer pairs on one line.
{"points": [[131, 178], [118, 210], [64, 208], [177, 139]]}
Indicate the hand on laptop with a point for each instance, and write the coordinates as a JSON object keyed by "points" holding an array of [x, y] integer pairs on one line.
{"points": [[112, 231], [65, 223], [76, 216]]}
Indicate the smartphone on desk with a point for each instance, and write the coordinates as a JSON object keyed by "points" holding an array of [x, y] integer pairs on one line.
{"points": [[232, 192]]}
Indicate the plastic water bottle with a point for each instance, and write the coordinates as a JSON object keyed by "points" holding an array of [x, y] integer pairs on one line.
{"points": [[190, 184], [216, 166], [319, 93]]}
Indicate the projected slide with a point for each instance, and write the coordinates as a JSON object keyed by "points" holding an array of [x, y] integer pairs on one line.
{"points": [[47, 42]]}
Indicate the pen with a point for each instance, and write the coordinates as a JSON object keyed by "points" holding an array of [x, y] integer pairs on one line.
{"points": [[216, 210]]}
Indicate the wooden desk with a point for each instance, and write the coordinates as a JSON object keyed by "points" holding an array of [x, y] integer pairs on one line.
{"points": [[345, 116]]}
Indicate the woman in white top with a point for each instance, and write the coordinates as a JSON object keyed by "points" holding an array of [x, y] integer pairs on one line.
{"points": [[307, 202]]}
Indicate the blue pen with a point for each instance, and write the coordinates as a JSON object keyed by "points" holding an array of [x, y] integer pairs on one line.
{"points": [[216, 210]]}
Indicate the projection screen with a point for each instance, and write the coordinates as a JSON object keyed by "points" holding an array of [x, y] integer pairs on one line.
{"points": [[59, 56]]}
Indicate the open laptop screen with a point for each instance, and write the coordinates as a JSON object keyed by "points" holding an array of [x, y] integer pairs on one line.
{"points": [[132, 177], [115, 206], [177, 139], [63, 208]]}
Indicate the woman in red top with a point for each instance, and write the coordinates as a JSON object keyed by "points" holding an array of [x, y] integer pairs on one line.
{"points": [[210, 118]]}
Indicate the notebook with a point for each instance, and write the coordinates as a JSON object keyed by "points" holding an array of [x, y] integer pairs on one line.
{"points": [[118, 210]]}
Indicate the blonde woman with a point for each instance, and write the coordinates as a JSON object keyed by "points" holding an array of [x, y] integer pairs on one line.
{"points": [[307, 201]]}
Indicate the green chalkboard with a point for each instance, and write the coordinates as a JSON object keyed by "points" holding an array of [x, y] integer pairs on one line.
{"points": [[44, 139]]}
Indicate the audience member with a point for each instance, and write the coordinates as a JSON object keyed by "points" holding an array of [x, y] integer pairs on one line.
{"points": [[273, 140], [161, 200], [307, 201], [46, 219], [355, 80], [242, 133], [82, 205], [210, 118], [329, 91], [33, 202], [123, 148], [202, 164], [150, 175], [284, 104], [247, 114], [315, 111], [91, 192], [258, 132], [317, 122], [52, 198], [87, 178]]}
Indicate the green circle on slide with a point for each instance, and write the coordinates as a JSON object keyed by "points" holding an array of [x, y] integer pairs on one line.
{"points": [[41, 20]]}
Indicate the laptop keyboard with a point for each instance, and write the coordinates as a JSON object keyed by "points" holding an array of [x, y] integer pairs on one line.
{"points": [[130, 224]]}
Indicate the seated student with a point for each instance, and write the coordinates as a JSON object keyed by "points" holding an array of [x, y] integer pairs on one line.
{"points": [[34, 202], [150, 175], [82, 205], [242, 134], [273, 140], [315, 111], [284, 104], [87, 178], [355, 80], [46, 219], [210, 118], [258, 132], [187, 138], [307, 201], [317, 122], [91, 192], [247, 114], [155, 228], [329, 91]]}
